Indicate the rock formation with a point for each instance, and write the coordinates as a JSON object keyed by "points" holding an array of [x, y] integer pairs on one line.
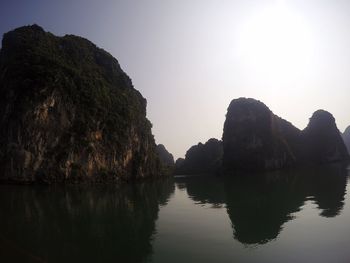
{"points": [[166, 159], [164, 156], [201, 158], [346, 138], [68, 112], [256, 139], [322, 140], [178, 165]]}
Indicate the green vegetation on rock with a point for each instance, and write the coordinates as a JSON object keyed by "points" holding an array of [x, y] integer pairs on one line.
{"points": [[68, 109]]}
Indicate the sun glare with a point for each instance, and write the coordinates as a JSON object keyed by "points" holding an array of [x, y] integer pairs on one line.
{"points": [[275, 41]]}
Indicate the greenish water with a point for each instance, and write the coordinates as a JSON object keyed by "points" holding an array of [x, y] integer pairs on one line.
{"points": [[300, 216]]}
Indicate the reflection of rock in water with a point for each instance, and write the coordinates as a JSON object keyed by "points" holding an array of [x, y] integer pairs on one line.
{"points": [[259, 205], [329, 189], [82, 224], [203, 189]]}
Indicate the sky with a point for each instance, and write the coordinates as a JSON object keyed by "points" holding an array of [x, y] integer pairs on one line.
{"points": [[190, 58]]}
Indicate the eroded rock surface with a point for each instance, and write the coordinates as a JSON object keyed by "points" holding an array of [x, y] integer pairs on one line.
{"points": [[68, 112]]}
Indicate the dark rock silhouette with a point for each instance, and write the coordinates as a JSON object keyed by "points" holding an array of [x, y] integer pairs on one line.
{"points": [[346, 138], [166, 159], [68, 112], [256, 139], [322, 140], [164, 156], [179, 163], [201, 158]]}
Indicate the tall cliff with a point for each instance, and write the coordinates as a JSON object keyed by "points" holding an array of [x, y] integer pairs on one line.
{"points": [[68, 112], [256, 139]]}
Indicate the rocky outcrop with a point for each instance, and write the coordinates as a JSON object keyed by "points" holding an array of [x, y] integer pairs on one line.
{"points": [[346, 138], [322, 140], [256, 139], [201, 159], [166, 159], [68, 112]]}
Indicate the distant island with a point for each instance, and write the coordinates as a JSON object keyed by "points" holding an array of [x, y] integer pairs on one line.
{"points": [[201, 158], [166, 160], [69, 113], [255, 139]]}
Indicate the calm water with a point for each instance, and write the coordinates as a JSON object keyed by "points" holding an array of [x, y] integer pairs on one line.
{"points": [[295, 216]]}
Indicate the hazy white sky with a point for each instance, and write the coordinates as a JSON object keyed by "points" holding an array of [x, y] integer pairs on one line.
{"points": [[190, 58]]}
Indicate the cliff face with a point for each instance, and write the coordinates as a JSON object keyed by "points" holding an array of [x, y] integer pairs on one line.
{"points": [[346, 138], [201, 158], [322, 139], [256, 139], [69, 113]]}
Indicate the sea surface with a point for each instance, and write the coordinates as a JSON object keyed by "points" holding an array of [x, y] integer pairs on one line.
{"points": [[289, 216]]}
